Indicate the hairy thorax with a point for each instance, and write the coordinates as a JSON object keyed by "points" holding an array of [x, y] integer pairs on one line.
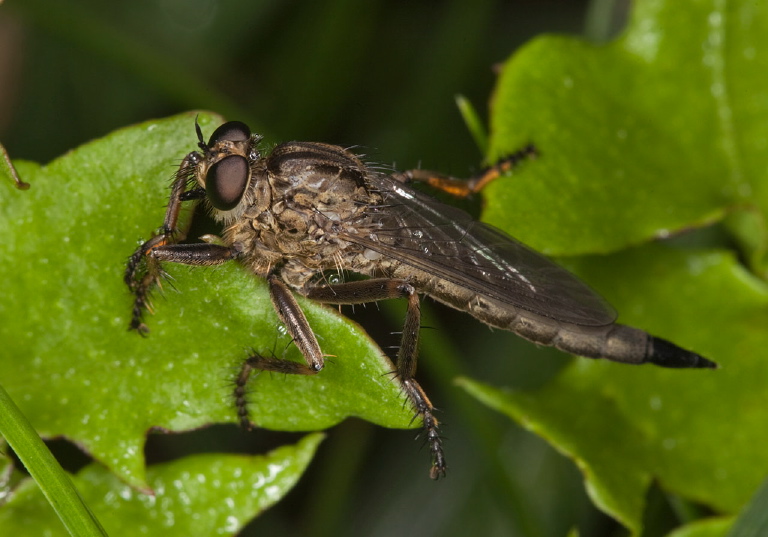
{"points": [[305, 198]]}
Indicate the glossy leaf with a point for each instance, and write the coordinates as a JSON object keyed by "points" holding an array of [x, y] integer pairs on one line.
{"points": [[211, 494], [661, 131], [626, 426]]}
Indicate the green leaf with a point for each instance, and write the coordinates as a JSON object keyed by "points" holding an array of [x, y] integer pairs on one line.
{"points": [[74, 368], [753, 521], [473, 122], [661, 131], [708, 527], [211, 494], [53, 481], [627, 426]]}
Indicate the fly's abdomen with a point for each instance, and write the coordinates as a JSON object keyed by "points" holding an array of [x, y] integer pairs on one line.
{"points": [[612, 341], [626, 344]]}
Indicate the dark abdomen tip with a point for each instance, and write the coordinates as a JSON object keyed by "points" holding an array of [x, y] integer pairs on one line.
{"points": [[667, 354]]}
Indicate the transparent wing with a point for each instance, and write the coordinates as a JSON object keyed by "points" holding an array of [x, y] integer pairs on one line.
{"points": [[419, 231]]}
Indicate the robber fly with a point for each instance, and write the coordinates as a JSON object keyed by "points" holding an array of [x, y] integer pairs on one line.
{"points": [[301, 209]]}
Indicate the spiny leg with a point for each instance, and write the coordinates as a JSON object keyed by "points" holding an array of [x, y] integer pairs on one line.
{"points": [[382, 289], [296, 323], [198, 254], [143, 272], [462, 188]]}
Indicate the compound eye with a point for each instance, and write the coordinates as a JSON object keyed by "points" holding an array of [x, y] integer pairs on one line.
{"points": [[232, 131], [226, 181]]}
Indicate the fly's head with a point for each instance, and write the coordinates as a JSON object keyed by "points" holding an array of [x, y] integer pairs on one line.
{"points": [[293, 200], [227, 167]]}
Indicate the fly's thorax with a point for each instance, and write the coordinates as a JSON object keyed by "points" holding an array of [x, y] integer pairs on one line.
{"points": [[317, 192], [314, 166], [314, 179], [301, 200]]}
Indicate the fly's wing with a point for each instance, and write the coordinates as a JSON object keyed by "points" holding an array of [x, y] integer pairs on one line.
{"points": [[419, 231]]}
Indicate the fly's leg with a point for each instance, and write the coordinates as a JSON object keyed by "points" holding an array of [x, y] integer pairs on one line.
{"points": [[143, 271], [296, 323], [462, 188], [157, 251], [11, 169], [382, 289]]}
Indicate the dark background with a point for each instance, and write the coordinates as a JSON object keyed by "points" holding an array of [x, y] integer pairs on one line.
{"points": [[381, 75]]}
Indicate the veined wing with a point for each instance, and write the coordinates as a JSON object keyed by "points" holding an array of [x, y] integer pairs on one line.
{"points": [[419, 231]]}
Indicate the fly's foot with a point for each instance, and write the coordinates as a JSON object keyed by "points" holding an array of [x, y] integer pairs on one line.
{"points": [[138, 325], [143, 273], [241, 394], [435, 447], [141, 288], [424, 409], [257, 362], [141, 305]]}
